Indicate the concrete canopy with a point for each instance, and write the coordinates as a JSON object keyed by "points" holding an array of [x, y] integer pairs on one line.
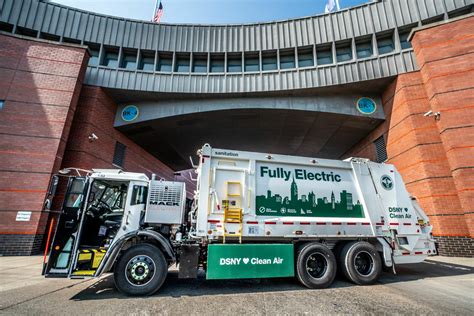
{"points": [[319, 123], [293, 132]]}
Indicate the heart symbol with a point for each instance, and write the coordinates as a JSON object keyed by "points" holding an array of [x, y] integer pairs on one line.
{"points": [[246, 260]]}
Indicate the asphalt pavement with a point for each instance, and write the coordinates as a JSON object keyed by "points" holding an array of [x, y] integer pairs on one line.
{"points": [[441, 285]]}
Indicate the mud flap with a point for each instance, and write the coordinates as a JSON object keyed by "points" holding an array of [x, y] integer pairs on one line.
{"points": [[387, 253], [188, 262]]}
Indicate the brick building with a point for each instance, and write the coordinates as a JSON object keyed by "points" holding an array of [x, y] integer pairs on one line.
{"points": [[288, 87]]}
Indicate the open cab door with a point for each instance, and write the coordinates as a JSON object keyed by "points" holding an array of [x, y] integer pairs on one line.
{"points": [[61, 255], [90, 220]]}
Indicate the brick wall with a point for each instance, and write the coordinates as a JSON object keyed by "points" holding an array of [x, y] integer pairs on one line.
{"points": [[445, 55], [455, 246], [18, 244], [96, 114], [40, 124], [40, 82], [435, 157]]}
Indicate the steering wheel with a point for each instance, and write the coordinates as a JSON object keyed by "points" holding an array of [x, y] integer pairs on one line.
{"points": [[106, 206], [97, 211], [92, 211]]}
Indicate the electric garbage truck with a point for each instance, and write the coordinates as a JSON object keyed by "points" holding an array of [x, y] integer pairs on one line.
{"points": [[254, 215]]}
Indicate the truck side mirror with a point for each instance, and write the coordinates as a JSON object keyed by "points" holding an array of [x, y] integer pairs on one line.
{"points": [[53, 186]]}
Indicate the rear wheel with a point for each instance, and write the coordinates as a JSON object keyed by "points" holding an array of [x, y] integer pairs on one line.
{"points": [[316, 266], [141, 270], [360, 262]]}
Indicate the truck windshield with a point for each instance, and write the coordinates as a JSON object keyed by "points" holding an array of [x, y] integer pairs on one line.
{"points": [[107, 195], [112, 198]]}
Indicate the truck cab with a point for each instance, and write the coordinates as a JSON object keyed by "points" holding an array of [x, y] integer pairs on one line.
{"points": [[98, 209]]}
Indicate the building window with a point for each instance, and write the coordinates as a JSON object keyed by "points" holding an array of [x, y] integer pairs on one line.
{"points": [[2, 104], [385, 43], [165, 62], [305, 57], [6, 27], [287, 59], [380, 149], [71, 41], [119, 154], [26, 32], [217, 63], [147, 61], [404, 43], [434, 19], [343, 52], [182, 63], [94, 51], [403, 35], [234, 63], [50, 37], [460, 12], [110, 58], [324, 55], [269, 61], [129, 60], [252, 62], [200, 63], [364, 48]]}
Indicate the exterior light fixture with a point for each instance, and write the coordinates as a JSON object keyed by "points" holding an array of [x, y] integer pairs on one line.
{"points": [[93, 137], [436, 115]]}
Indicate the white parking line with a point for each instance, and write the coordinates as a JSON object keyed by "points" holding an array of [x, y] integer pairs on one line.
{"points": [[447, 266]]}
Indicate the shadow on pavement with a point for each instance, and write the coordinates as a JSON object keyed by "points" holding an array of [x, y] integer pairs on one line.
{"points": [[174, 287], [427, 269]]}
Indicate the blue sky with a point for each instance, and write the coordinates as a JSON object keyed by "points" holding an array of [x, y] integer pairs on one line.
{"points": [[209, 11]]}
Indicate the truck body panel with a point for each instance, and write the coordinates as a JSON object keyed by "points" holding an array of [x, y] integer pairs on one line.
{"points": [[253, 215], [287, 197], [246, 261]]}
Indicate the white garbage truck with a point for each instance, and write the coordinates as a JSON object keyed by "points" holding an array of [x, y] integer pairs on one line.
{"points": [[253, 215]]}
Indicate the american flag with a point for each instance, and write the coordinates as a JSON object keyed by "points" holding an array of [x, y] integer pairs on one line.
{"points": [[332, 5], [158, 13]]}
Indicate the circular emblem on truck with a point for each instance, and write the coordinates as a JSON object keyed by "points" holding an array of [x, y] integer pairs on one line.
{"points": [[366, 105], [387, 182], [129, 113]]}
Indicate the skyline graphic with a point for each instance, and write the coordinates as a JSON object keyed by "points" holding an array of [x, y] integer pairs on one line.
{"points": [[308, 205]]}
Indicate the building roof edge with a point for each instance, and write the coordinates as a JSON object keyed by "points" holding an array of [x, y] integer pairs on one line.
{"points": [[431, 25], [42, 40]]}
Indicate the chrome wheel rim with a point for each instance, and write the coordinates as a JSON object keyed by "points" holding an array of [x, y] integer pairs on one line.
{"points": [[316, 265], [140, 270], [364, 263]]}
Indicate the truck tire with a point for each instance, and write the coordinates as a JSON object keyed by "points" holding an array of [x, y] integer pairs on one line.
{"points": [[316, 266], [141, 270], [360, 262]]}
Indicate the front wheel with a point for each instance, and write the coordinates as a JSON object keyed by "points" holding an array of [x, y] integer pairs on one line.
{"points": [[316, 266], [141, 270]]}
